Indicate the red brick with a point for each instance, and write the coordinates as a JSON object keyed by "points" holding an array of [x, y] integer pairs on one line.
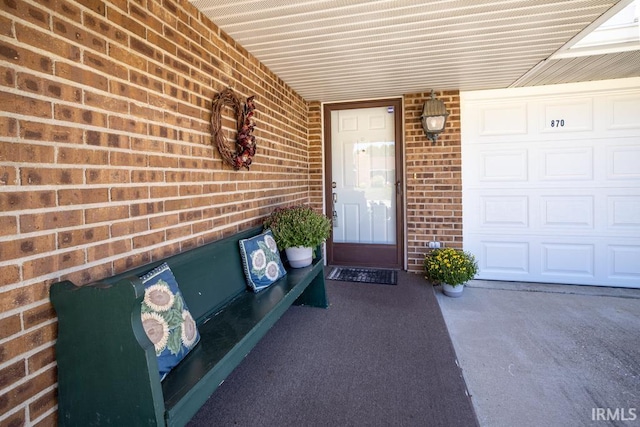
{"points": [[10, 326], [41, 359], [50, 420], [124, 21], [167, 162], [50, 133], [77, 74], [43, 404], [8, 225], [131, 261], [50, 220], [9, 274], [123, 55], [120, 194], [45, 41], [107, 176], [78, 196], [97, 6], [128, 125], [127, 228], [79, 156], [145, 145], [105, 28], [105, 102], [6, 29], [37, 315], [164, 192], [8, 127], [129, 91], [79, 115], [14, 103], [102, 214], [19, 200], [76, 237], [105, 65], [62, 7], [20, 297], [40, 176], [104, 139], [25, 391], [17, 419], [148, 239], [52, 263], [82, 277], [164, 221], [12, 374], [141, 209], [79, 35], [146, 176], [106, 250]]}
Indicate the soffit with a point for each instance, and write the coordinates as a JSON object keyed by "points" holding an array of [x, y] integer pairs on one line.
{"points": [[333, 50]]}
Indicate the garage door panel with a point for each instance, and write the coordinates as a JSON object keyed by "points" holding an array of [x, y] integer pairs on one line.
{"points": [[574, 212], [503, 119], [555, 200], [567, 164], [624, 263], [502, 166], [567, 116], [505, 211], [623, 213], [622, 112], [504, 257], [573, 260], [623, 162]]}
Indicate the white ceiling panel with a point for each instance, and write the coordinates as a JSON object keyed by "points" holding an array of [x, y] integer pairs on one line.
{"points": [[332, 50]]}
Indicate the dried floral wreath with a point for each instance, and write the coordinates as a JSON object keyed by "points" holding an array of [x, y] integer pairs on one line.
{"points": [[245, 141]]}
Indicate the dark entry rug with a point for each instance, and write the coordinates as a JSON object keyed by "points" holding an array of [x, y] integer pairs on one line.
{"points": [[378, 356], [364, 275]]}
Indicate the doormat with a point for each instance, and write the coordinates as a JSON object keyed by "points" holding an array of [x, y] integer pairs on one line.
{"points": [[363, 275]]}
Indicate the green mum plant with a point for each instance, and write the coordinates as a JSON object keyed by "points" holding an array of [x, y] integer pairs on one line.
{"points": [[298, 226], [452, 266]]}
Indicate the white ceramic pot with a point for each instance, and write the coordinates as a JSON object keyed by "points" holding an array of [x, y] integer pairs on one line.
{"points": [[452, 291], [299, 256]]}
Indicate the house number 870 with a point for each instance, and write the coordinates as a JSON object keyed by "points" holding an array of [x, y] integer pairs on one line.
{"points": [[557, 123]]}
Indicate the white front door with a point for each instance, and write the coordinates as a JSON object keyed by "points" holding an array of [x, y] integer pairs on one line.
{"points": [[364, 184], [551, 183]]}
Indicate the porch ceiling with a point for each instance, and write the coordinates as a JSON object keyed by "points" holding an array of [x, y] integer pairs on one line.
{"points": [[333, 50]]}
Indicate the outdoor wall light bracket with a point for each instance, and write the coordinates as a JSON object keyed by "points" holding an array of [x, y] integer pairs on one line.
{"points": [[434, 117]]}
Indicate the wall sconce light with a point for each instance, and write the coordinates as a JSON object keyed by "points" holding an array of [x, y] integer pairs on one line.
{"points": [[434, 117]]}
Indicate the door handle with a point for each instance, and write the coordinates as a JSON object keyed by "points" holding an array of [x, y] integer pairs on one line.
{"points": [[335, 197], [398, 188]]}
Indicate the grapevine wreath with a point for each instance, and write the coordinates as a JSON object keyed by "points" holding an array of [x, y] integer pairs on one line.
{"points": [[245, 141]]}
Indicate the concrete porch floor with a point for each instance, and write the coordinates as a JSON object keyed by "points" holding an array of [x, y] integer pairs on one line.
{"points": [[548, 355]]}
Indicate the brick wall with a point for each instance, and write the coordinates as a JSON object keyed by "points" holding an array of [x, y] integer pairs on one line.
{"points": [[106, 161], [434, 179]]}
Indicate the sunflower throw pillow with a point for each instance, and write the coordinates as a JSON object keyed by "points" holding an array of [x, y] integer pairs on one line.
{"points": [[166, 318], [261, 261]]}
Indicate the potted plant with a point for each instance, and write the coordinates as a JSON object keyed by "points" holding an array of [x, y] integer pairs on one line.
{"points": [[298, 230], [450, 267]]}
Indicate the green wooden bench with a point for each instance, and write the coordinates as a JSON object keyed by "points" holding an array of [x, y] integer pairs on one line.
{"points": [[107, 367]]}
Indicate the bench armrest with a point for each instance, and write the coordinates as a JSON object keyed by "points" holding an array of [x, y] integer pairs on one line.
{"points": [[106, 362]]}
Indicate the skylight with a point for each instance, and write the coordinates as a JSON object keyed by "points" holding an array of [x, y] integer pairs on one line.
{"points": [[620, 33]]}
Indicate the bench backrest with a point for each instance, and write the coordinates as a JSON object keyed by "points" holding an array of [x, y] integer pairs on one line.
{"points": [[208, 276]]}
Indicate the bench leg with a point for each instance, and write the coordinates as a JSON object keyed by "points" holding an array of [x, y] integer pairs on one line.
{"points": [[315, 295]]}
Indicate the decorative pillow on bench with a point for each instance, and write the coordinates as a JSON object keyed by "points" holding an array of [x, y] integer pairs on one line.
{"points": [[166, 318], [261, 261]]}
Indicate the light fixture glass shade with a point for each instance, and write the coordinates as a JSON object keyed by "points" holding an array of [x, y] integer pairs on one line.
{"points": [[434, 117], [434, 123]]}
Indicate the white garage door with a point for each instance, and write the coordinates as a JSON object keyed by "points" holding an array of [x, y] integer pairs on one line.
{"points": [[551, 183]]}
